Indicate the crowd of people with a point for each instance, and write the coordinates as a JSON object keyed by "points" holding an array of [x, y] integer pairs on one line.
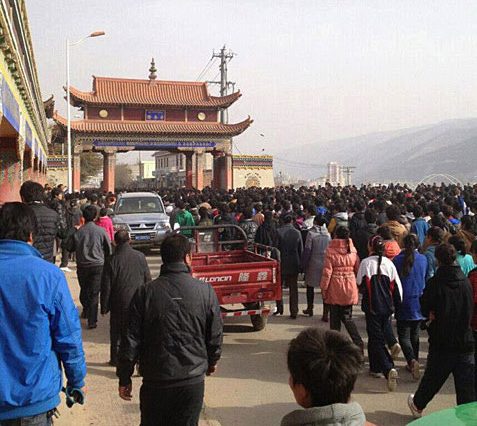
{"points": [[405, 253]]}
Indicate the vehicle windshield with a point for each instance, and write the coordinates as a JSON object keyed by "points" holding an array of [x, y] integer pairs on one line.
{"points": [[139, 205]]}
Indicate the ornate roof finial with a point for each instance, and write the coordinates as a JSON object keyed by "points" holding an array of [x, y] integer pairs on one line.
{"points": [[152, 70]]}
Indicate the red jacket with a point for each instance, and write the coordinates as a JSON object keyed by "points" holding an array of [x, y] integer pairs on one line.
{"points": [[338, 282], [106, 223], [473, 281]]}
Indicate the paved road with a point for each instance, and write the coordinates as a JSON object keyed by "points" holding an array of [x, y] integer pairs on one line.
{"points": [[250, 387]]}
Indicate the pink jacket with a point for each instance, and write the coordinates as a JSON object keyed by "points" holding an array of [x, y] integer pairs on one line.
{"points": [[106, 223], [338, 282]]}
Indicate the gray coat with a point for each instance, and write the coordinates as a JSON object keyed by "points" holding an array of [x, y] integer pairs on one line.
{"points": [[291, 248], [350, 414], [313, 259]]}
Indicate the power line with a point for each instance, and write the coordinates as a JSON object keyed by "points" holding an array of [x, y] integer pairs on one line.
{"points": [[299, 163], [206, 69]]}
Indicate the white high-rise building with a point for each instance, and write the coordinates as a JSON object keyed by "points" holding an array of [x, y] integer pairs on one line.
{"points": [[335, 174]]}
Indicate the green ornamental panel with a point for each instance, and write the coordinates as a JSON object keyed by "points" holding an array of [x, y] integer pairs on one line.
{"points": [[462, 415]]}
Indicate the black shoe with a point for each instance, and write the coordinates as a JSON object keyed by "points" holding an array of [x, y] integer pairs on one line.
{"points": [[308, 312], [293, 316], [112, 363], [91, 326], [279, 311]]}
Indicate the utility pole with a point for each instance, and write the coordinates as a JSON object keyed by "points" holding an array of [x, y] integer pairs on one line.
{"points": [[225, 57], [347, 171]]}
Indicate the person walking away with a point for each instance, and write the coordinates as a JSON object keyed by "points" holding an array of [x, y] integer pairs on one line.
{"points": [[73, 222], [323, 366], [391, 246], [57, 203], [419, 225], [357, 221], [48, 226], [338, 283], [105, 222], [473, 282], [41, 336], [312, 262], [466, 231], [363, 235], [411, 267], [248, 225], [92, 247], [291, 249], [381, 288], [184, 218], [123, 273], [340, 218], [175, 333], [398, 230], [435, 237], [259, 216], [204, 220], [448, 303], [464, 260], [267, 234]]}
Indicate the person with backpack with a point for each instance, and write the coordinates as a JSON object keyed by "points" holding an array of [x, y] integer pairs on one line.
{"points": [[340, 218], [411, 267], [338, 283], [448, 304], [381, 287]]}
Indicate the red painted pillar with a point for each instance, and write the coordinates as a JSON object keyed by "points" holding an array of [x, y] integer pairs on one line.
{"points": [[199, 170], [10, 171], [188, 167], [109, 167]]}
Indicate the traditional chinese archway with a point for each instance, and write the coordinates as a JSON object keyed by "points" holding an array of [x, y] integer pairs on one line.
{"points": [[121, 115]]}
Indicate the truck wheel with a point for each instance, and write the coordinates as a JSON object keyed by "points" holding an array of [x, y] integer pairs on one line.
{"points": [[259, 322]]}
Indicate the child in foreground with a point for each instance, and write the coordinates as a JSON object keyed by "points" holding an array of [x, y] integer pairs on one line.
{"points": [[323, 369]]}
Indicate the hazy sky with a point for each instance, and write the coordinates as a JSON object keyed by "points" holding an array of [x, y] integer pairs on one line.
{"points": [[309, 71]]}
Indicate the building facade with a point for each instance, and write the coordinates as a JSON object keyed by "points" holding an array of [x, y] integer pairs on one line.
{"points": [[23, 126], [335, 174], [253, 170], [178, 117]]}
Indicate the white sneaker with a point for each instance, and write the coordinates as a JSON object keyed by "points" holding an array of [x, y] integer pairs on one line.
{"points": [[392, 380], [66, 269], [395, 351], [417, 414]]}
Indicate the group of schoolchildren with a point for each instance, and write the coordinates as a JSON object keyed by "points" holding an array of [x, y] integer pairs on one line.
{"points": [[425, 275]]}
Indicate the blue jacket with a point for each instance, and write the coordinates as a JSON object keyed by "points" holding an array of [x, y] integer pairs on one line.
{"points": [[430, 254], [40, 332], [412, 287], [420, 228]]}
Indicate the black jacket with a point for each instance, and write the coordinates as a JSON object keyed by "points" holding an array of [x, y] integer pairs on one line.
{"points": [[123, 273], [47, 229], [356, 223], [59, 207], [174, 330], [361, 238], [448, 295], [291, 248]]}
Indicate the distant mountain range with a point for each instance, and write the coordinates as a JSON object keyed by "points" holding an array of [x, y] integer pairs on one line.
{"points": [[407, 155]]}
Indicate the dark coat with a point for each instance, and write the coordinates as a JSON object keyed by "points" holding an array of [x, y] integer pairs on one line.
{"points": [[361, 238], [291, 249], [48, 228], [448, 295], [124, 272], [175, 330]]}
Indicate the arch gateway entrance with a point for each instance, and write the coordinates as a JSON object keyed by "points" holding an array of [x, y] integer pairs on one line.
{"points": [[122, 115]]}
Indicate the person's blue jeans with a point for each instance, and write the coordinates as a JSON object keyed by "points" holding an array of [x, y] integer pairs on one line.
{"points": [[439, 366], [408, 332], [380, 360], [38, 420]]}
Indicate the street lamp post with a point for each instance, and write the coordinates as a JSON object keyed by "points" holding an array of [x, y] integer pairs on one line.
{"points": [[68, 126]]}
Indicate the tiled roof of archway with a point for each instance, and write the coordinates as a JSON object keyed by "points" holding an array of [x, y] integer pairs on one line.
{"points": [[156, 127], [124, 91]]}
